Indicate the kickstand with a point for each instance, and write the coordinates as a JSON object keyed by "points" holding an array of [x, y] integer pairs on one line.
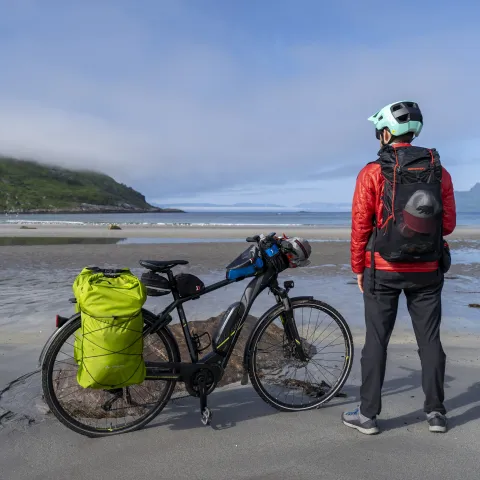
{"points": [[130, 400], [205, 412]]}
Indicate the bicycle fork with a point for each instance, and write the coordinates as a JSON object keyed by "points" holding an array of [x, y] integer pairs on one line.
{"points": [[288, 321]]}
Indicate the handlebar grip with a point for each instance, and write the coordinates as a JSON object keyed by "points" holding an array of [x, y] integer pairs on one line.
{"points": [[254, 239]]}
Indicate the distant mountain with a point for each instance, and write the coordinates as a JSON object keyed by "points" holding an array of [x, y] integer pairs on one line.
{"points": [[31, 187], [325, 207], [469, 201], [466, 202], [269, 205], [191, 204]]}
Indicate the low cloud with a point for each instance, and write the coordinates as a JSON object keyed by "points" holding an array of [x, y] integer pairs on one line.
{"points": [[188, 118]]}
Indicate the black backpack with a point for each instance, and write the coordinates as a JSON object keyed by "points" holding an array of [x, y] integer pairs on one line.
{"points": [[412, 206]]}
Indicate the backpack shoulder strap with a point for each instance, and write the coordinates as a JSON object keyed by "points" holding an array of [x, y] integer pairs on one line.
{"points": [[436, 163]]}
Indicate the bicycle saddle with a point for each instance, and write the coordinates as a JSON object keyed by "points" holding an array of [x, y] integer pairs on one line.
{"points": [[161, 265]]}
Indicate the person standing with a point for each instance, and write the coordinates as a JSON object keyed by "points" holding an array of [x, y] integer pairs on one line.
{"points": [[402, 208]]}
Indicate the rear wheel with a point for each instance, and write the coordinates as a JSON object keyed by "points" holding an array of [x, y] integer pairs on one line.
{"points": [[98, 413], [280, 377]]}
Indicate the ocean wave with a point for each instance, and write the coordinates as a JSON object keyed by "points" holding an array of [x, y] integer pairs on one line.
{"points": [[44, 222], [206, 224]]}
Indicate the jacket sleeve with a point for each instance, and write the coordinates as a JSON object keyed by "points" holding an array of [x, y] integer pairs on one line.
{"points": [[448, 200], [363, 212]]}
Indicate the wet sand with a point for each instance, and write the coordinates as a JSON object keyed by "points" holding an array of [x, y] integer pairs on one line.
{"points": [[190, 231], [167, 231], [206, 256]]}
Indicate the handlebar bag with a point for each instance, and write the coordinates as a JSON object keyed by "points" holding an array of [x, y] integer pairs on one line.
{"points": [[245, 265]]}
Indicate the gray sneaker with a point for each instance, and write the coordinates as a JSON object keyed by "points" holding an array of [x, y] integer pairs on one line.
{"points": [[437, 422], [363, 424]]}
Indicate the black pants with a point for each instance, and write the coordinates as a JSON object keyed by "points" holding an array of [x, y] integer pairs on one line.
{"points": [[423, 293]]}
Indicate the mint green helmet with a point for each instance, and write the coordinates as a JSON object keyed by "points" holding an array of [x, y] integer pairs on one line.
{"points": [[400, 118]]}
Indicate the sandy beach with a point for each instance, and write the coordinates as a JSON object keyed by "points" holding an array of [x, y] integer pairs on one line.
{"points": [[249, 440], [36, 280]]}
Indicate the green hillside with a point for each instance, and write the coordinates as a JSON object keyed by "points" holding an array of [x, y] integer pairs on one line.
{"points": [[27, 186]]}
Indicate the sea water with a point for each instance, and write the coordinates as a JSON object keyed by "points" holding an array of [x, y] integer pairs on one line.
{"points": [[279, 219]]}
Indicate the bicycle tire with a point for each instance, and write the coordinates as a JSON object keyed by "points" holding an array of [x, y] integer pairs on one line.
{"points": [[64, 417], [261, 328]]}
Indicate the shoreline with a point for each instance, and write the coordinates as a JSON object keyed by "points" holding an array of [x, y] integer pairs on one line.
{"points": [[314, 232], [99, 211]]}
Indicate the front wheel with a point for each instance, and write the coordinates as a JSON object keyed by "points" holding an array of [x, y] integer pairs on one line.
{"points": [[284, 380]]}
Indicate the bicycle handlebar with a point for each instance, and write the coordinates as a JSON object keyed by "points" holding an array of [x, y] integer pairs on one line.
{"points": [[257, 238]]}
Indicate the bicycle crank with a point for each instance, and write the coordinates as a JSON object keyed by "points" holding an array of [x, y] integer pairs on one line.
{"points": [[200, 385]]}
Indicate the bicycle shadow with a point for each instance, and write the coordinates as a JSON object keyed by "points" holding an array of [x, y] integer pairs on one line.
{"points": [[233, 406], [229, 407]]}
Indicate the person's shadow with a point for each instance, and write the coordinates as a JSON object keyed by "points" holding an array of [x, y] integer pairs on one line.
{"points": [[472, 395], [464, 399], [414, 381], [393, 386], [411, 382]]}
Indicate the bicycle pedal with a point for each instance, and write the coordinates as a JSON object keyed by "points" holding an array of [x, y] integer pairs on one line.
{"points": [[244, 379], [206, 416]]}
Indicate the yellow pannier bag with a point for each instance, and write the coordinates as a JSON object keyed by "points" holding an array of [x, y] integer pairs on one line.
{"points": [[108, 347]]}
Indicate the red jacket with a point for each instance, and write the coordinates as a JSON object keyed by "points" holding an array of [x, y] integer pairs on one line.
{"points": [[367, 202]]}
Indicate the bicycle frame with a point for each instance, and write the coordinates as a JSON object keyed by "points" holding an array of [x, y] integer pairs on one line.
{"points": [[218, 359]]}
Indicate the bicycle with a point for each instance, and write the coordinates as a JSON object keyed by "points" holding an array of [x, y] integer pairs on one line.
{"points": [[200, 376]]}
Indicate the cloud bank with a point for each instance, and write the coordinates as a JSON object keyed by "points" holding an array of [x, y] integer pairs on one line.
{"points": [[210, 107]]}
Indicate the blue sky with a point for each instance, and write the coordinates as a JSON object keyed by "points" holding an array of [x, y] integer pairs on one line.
{"points": [[234, 101]]}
